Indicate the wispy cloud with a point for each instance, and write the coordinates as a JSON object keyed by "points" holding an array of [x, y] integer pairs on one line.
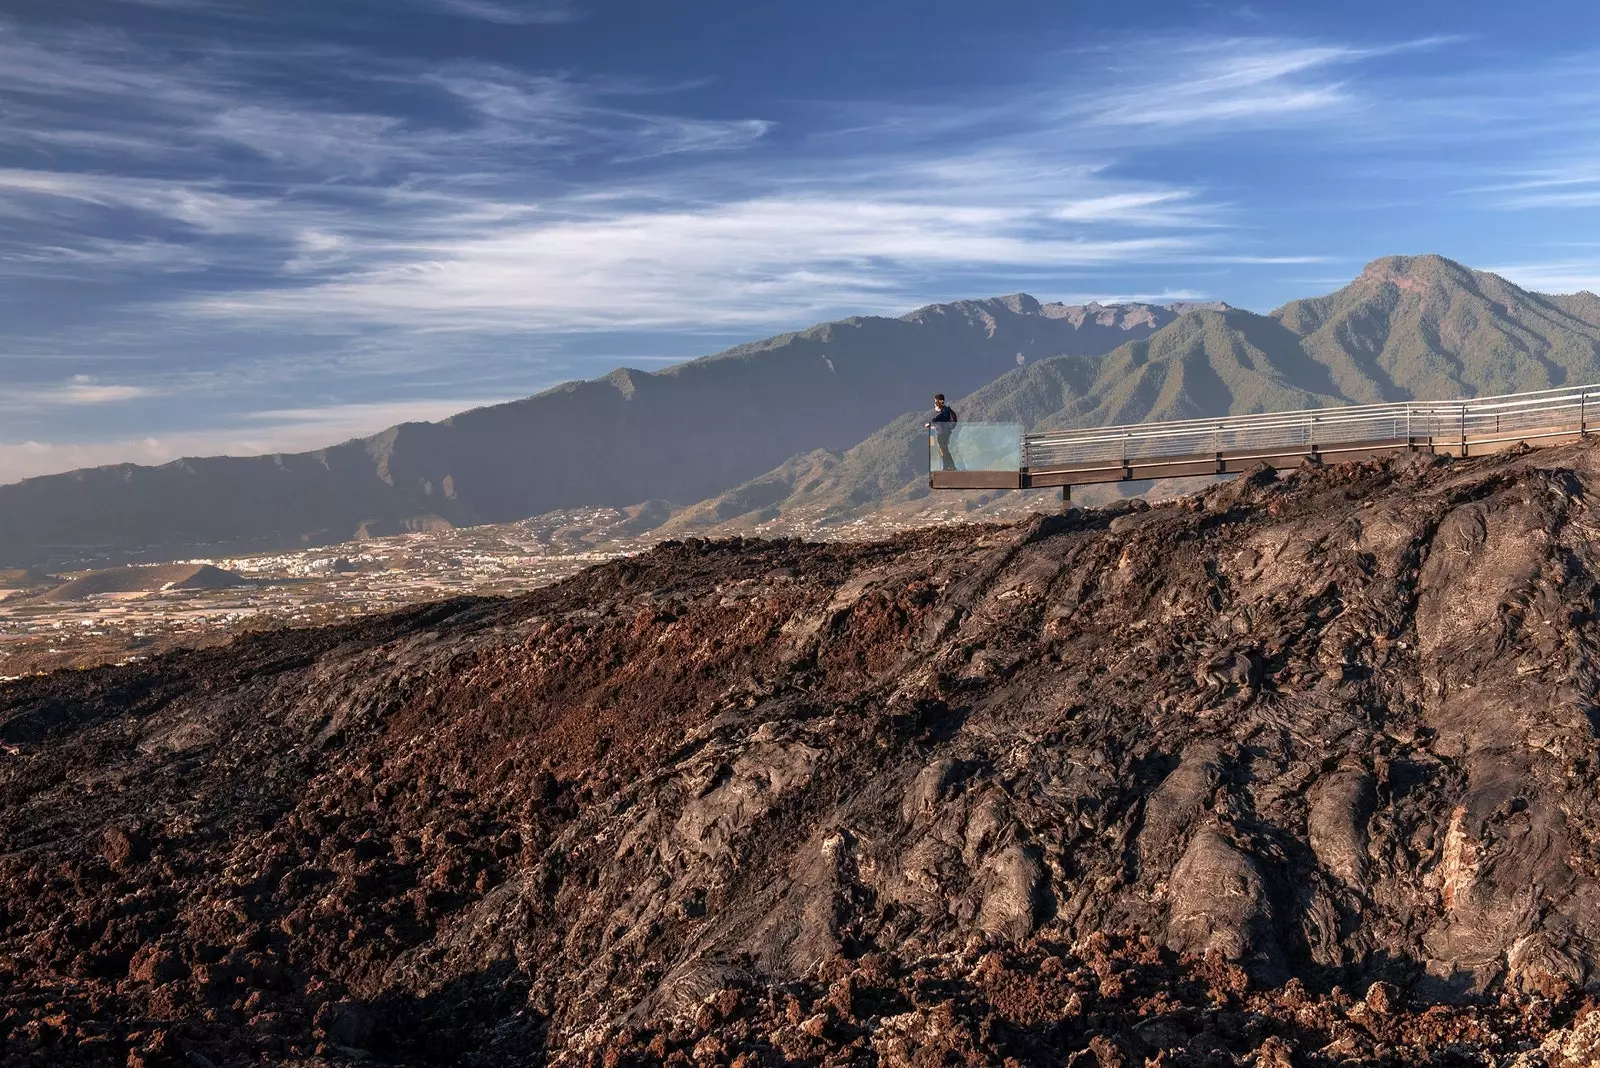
{"points": [[747, 262], [1228, 81], [84, 389], [260, 433], [178, 5], [1241, 82], [1161, 207], [501, 12], [1569, 276], [1565, 185], [77, 391], [1164, 296], [511, 12], [474, 219], [106, 94], [343, 216]]}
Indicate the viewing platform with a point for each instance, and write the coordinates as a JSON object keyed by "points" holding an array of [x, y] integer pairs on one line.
{"points": [[1001, 456]]}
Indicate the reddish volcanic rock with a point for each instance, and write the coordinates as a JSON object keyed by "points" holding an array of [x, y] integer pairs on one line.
{"points": [[1299, 771]]}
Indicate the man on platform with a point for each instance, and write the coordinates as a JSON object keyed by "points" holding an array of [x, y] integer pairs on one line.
{"points": [[942, 423]]}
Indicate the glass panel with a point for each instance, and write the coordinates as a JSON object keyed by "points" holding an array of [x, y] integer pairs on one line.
{"points": [[975, 447]]}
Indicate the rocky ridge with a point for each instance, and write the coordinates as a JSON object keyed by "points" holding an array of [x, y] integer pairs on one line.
{"points": [[1295, 771]]}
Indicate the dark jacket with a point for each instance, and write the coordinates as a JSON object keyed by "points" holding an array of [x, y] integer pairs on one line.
{"points": [[946, 414]]}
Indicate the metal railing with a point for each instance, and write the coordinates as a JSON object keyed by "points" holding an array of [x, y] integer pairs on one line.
{"points": [[1484, 421]]}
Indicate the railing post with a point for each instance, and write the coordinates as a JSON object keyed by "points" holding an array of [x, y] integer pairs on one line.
{"points": [[1583, 414], [1463, 431], [1411, 442]]}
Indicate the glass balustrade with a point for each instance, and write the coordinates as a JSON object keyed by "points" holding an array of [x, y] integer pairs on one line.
{"points": [[975, 447]]}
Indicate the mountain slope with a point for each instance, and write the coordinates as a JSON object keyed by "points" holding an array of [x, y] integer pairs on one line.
{"points": [[1409, 327], [681, 434], [1203, 363], [840, 804], [135, 580], [1427, 327]]}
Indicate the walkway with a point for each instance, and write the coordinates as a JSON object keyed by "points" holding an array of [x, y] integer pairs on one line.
{"points": [[1000, 456]]}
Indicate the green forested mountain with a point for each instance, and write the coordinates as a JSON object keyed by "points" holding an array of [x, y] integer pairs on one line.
{"points": [[1426, 327], [1419, 327]]}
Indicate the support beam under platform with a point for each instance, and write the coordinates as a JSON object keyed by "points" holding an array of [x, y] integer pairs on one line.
{"points": [[977, 480]]}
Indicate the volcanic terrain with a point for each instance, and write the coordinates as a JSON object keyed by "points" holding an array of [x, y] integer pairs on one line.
{"points": [[1300, 770]]}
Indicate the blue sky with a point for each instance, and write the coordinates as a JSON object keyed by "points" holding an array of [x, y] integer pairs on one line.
{"points": [[240, 226]]}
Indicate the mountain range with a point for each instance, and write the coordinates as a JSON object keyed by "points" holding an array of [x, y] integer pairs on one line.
{"points": [[683, 434], [1419, 327], [819, 424]]}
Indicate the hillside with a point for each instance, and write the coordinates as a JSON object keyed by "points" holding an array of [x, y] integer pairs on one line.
{"points": [[681, 434], [1424, 326], [1408, 328], [1253, 778], [146, 580]]}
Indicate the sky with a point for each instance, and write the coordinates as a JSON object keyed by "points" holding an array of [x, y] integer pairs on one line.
{"points": [[241, 226]]}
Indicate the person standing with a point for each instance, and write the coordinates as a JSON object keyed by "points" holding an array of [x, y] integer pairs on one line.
{"points": [[942, 423]]}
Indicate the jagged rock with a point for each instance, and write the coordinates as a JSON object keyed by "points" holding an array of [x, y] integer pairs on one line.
{"points": [[1078, 795], [1221, 904], [1341, 806], [345, 1023]]}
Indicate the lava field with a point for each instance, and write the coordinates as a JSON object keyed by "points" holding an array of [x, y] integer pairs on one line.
{"points": [[1297, 771]]}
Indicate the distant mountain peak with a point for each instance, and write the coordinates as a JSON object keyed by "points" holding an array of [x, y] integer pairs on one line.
{"points": [[624, 379], [1015, 303], [1021, 303], [1414, 273], [1126, 315], [1131, 315]]}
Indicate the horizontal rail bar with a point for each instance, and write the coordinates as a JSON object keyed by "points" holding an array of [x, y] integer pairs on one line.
{"points": [[1319, 430], [1357, 411]]}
